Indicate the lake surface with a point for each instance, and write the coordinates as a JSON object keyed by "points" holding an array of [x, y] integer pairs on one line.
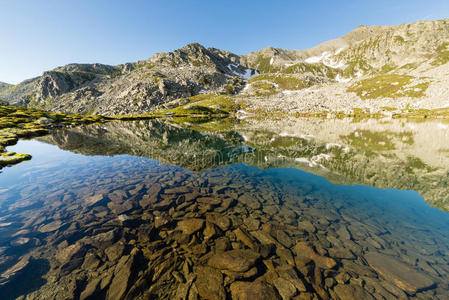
{"points": [[266, 209]]}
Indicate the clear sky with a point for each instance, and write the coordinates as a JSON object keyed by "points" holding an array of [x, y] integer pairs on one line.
{"points": [[41, 35]]}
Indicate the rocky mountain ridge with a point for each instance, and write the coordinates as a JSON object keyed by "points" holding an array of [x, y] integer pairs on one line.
{"points": [[371, 67], [4, 86]]}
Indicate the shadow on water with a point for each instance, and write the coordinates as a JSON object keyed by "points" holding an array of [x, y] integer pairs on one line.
{"points": [[30, 279]]}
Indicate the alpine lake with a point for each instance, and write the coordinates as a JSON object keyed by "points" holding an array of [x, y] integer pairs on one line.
{"points": [[229, 209]]}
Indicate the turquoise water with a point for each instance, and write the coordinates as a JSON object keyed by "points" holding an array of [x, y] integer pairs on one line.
{"points": [[55, 208]]}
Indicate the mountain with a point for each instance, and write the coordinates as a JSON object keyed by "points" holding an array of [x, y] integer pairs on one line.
{"points": [[4, 87], [132, 87], [374, 68]]}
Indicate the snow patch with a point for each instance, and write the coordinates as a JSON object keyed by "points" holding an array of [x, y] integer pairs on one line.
{"points": [[314, 160], [342, 79], [271, 60], [302, 136], [246, 73], [288, 92], [326, 59], [317, 59], [332, 145], [339, 50], [241, 149]]}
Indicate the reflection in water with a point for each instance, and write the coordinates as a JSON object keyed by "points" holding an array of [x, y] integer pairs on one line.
{"points": [[130, 227], [390, 154]]}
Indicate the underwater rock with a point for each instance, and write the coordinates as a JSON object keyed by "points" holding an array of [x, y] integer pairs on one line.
{"points": [[237, 260]]}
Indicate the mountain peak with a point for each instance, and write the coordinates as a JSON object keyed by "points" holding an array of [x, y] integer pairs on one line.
{"points": [[195, 46]]}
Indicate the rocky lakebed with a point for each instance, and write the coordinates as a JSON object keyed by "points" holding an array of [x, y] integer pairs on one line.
{"points": [[249, 209]]}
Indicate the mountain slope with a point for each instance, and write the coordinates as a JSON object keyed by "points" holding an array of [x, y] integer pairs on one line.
{"points": [[398, 67], [132, 87], [4, 87], [370, 68]]}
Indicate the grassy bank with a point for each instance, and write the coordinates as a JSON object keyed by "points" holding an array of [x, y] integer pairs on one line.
{"points": [[18, 122]]}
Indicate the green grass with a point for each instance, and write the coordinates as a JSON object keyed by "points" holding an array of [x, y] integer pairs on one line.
{"points": [[442, 56], [316, 69], [12, 158], [19, 122], [388, 86], [399, 39], [356, 66], [263, 88], [283, 82], [388, 68], [410, 66], [377, 140], [262, 64]]}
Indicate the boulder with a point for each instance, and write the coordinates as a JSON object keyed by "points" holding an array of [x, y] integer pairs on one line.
{"points": [[402, 275], [241, 290], [238, 260], [209, 282], [190, 226]]}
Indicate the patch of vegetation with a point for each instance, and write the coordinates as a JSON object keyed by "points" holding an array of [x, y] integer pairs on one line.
{"points": [[282, 81], [416, 163], [262, 64], [316, 69], [442, 55], [355, 66], [388, 86], [422, 113], [263, 88], [19, 122], [410, 66], [206, 124], [416, 91], [374, 141], [12, 158], [399, 39], [388, 68]]}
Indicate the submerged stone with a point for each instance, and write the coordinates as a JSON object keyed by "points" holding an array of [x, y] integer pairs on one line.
{"points": [[404, 276], [209, 283], [238, 260], [241, 290], [190, 226]]}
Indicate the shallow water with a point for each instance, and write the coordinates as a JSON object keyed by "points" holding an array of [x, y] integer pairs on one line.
{"points": [[147, 207]]}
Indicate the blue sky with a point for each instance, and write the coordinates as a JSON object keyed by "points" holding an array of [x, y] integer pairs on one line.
{"points": [[41, 35]]}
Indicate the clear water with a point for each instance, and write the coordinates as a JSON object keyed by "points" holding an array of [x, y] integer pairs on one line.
{"points": [[134, 183]]}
